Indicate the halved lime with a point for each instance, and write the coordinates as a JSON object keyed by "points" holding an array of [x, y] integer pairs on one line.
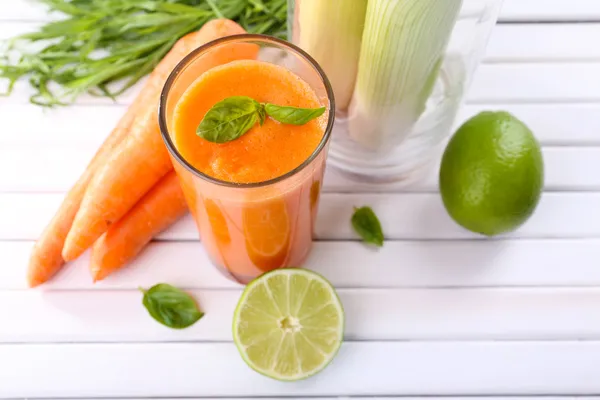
{"points": [[288, 324]]}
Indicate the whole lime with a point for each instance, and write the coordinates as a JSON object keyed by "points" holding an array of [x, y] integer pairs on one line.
{"points": [[492, 173]]}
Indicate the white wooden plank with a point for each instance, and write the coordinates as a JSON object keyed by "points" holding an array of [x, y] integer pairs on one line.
{"points": [[371, 315], [543, 43], [45, 167], [553, 124], [550, 10], [493, 83], [403, 216], [192, 269], [569, 80], [54, 168], [533, 82], [415, 216], [566, 169], [508, 42], [215, 369], [371, 398], [74, 126], [513, 10], [427, 264]]}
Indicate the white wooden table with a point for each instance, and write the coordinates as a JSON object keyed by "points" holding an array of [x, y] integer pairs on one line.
{"points": [[438, 311]]}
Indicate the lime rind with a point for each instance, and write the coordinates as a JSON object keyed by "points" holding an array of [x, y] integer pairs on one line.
{"points": [[289, 343]]}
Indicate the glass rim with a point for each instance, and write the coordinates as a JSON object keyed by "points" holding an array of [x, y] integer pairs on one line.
{"points": [[164, 131]]}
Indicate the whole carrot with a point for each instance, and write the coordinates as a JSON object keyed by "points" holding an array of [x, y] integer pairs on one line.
{"points": [[46, 258], [142, 159], [156, 211]]}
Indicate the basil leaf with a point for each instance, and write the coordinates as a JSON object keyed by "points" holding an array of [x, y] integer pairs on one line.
{"points": [[170, 306], [367, 225], [293, 115], [229, 119]]}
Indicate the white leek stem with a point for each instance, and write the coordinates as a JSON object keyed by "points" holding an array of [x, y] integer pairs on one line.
{"points": [[402, 50], [331, 32]]}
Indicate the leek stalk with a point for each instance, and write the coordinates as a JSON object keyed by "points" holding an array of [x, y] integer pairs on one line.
{"points": [[402, 50], [331, 32]]}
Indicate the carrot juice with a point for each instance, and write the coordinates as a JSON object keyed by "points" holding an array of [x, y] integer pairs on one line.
{"points": [[254, 198]]}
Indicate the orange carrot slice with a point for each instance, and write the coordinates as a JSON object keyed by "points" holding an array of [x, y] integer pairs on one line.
{"points": [[158, 209], [142, 159]]}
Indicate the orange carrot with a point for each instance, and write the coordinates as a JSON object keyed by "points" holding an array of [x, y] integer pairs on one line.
{"points": [[46, 258], [158, 209], [141, 159]]}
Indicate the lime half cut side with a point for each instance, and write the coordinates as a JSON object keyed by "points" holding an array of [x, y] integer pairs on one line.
{"points": [[288, 324]]}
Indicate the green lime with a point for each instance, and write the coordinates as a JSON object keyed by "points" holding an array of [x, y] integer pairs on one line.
{"points": [[492, 174], [288, 324]]}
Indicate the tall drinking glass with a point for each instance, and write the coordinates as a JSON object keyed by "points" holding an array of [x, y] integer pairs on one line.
{"points": [[251, 228]]}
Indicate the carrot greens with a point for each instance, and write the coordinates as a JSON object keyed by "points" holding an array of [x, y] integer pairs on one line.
{"points": [[103, 47]]}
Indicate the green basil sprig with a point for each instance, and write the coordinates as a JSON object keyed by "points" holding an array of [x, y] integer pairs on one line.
{"points": [[229, 119], [170, 306], [367, 225]]}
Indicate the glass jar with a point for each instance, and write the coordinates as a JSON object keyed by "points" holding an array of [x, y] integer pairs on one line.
{"points": [[399, 71]]}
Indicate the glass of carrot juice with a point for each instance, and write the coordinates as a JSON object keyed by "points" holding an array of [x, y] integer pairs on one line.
{"points": [[254, 198]]}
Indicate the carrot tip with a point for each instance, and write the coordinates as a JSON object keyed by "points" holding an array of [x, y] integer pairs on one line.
{"points": [[97, 274], [39, 272], [70, 254], [34, 283]]}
